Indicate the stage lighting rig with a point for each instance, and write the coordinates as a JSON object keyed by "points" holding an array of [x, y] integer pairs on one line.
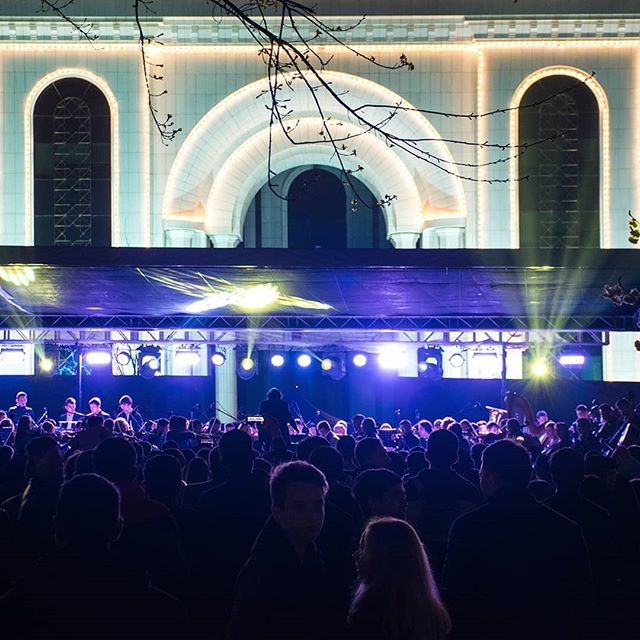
{"points": [[149, 361], [97, 356], [359, 359], [430, 363], [304, 360], [277, 360], [333, 364], [218, 357]]}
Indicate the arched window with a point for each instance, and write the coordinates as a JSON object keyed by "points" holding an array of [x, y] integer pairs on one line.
{"points": [[317, 214], [72, 165], [559, 185]]}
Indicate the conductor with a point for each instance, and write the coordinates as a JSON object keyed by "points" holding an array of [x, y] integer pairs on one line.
{"points": [[277, 409]]}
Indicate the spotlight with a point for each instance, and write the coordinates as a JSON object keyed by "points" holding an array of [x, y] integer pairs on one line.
{"points": [[247, 367], [123, 358], [359, 360], [12, 355], [392, 357], [430, 363], [456, 360], [148, 362], [218, 358], [539, 368], [327, 364], [187, 357], [46, 365], [304, 360], [98, 357], [333, 364], [277, 360]]}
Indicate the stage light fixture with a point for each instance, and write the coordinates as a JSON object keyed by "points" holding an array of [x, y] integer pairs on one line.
{"points": [[430, 363], [359, 360], [333, 364], [327, 364], [46, 364], [304, 360], [12, 355], [277, 360], [456, 360], [392, 357], [247, 367], [98, 357], [123, 358], [218, 358], [149, 361], [572, 357], [187, 357], [540, 368]]}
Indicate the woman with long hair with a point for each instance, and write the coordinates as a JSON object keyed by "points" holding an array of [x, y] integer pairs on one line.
{"points": [[396, 597]]}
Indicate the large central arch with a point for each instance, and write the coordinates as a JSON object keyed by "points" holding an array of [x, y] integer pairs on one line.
{"points": [[223, 161]]}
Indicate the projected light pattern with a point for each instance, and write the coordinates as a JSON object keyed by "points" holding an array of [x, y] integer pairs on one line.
{"points": [[19, 276], [216, 293]]}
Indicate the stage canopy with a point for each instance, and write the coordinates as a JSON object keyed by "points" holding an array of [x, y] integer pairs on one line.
{"points": [[285, 290]]}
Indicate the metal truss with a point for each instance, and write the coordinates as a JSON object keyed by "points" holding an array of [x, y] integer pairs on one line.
{"points": [[568, 325]]}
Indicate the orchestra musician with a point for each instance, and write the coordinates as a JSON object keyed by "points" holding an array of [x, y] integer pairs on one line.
{"points": [[70, 417], [20, 409], [133, 417], [95, 408]]}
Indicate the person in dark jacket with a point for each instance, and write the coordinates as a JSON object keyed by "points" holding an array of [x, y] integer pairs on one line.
{"points": [[276, 596], [275, 407], [497, 567], [80, 590]]}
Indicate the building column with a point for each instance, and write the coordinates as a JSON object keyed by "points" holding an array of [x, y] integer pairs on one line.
{"points": [[184, 238], [227, 387], [450, 237], [404, 240], [225, 240]]}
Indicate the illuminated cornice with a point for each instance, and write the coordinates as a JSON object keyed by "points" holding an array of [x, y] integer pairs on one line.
{"points": [[29, 105], [605, 149], [407, 29]]}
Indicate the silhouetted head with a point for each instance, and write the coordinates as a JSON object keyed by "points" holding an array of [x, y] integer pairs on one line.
{"points": [[88, 512], [505, 464], [307, 446], [370, 452], [567, 470], [236, 452], [442, 449], [347, 447], [115, 459], [44, 460], [274, 394], [379, 492], [297, 497], [163, 478], [329, 461]]}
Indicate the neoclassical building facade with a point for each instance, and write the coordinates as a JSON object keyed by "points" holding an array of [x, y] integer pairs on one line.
{"points": [[82, 163]]}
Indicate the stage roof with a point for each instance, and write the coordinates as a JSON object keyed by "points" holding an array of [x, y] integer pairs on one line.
{"points": [[466, 289]]}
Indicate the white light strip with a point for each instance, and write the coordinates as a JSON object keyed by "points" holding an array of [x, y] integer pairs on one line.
{"points": [[605, 149], [146, 161], [481, 205], [29, 106]]}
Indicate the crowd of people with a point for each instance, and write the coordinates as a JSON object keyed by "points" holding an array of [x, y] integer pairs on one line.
{"points": [[274, 529]]}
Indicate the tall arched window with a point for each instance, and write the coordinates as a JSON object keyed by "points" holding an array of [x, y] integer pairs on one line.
{"points": [[72, 165], [318, 214], [559, 185]]}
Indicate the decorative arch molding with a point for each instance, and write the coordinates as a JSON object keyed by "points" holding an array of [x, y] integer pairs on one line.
{"points": [[218, 161], [29, 106], [245, 170], [605, 148]]}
